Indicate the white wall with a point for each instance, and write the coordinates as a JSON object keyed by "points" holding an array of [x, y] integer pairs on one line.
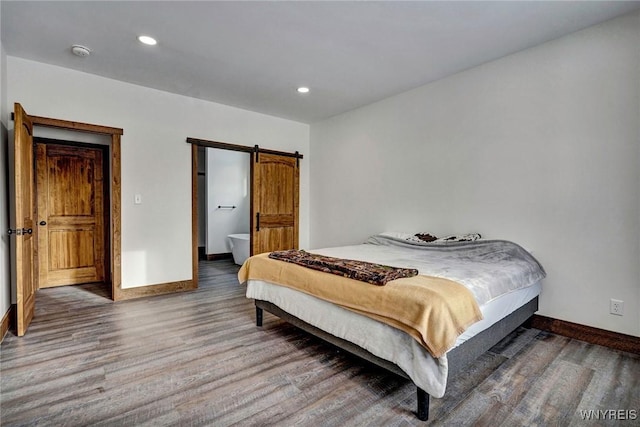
{"points": [[541, 147], [5, 288], [228, 175], [156, 160]]}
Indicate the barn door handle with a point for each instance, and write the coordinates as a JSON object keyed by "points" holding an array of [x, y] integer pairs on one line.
{"points": [[19, 232], [43, 222], [258, 221]]}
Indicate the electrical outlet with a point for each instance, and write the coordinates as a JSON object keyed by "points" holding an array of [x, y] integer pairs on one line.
{"points": [[616, 307]]}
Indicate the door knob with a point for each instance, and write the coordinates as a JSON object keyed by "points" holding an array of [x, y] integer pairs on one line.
{"points": [[43, 222]]}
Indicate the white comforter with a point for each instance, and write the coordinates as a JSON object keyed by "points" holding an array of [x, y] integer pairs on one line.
{"points": [[488, 268]]}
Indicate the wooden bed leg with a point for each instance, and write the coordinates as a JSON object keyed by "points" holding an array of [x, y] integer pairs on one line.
{"points": [[258, 316], [423, 405]]}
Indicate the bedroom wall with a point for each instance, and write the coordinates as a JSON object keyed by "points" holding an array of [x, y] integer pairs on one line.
{"points": [[5, 288], [156, 160], [541, 147]]}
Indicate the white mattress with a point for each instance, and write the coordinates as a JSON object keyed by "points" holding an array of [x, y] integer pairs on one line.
{"points": [[382, 340]]}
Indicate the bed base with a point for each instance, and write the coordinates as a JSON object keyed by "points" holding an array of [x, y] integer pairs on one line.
{"points": [[458, 358]]}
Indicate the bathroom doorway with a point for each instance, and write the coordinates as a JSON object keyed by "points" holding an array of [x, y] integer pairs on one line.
{"points": [[271, 193], [223, 204]]}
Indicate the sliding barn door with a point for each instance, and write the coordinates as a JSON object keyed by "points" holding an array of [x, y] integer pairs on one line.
{"points": [[24, 210], [274, 207]]}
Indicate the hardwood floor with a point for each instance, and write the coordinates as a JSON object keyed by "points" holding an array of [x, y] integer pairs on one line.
{"points": [[197, 358]]}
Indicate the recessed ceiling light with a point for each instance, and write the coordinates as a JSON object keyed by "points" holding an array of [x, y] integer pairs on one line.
{"points": [[147, 40], [303, 89]]}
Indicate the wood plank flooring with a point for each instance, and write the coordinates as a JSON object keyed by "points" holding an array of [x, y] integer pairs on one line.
{"points": [[197, 358]]}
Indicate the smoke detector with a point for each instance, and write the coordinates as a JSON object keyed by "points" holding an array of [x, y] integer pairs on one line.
{"points": [[80, 51]]}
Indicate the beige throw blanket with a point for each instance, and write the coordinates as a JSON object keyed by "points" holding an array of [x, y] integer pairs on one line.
{"points": [[432, 310]]}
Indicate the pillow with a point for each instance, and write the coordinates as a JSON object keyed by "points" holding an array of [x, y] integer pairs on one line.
{"points": [[397, 235], [459, 238], [423, 237]]}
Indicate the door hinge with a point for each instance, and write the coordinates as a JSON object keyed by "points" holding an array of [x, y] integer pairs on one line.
{"points": [[256, 150], [258, 221]]}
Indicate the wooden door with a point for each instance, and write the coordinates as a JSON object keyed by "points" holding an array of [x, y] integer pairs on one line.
{"points": [[71, 232], [274, 205], [24, 210]]}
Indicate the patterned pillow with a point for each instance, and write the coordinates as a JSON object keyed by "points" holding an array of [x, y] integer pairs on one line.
{"points": [[459, 238], [430, 238], [422, 238], [425, 237]]}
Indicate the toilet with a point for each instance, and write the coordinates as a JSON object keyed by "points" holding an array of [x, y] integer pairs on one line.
{"points": [[239, 247]]}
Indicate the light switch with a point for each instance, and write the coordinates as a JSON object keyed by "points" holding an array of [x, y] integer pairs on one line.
{"points": [[137, 199]]}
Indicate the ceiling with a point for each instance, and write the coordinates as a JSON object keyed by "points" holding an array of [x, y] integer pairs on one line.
{"points": [[253, 55]]}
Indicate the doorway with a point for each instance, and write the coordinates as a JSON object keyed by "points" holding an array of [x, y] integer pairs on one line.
{"points": [[223, 202], [273, 192], [24, 208], [72, 182]]}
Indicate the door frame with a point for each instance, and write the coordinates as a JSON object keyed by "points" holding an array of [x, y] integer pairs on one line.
{"points": [[115, 209], [253, 151]]}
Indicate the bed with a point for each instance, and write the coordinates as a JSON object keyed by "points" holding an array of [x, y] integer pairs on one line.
{"points": [[502, 279]]}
